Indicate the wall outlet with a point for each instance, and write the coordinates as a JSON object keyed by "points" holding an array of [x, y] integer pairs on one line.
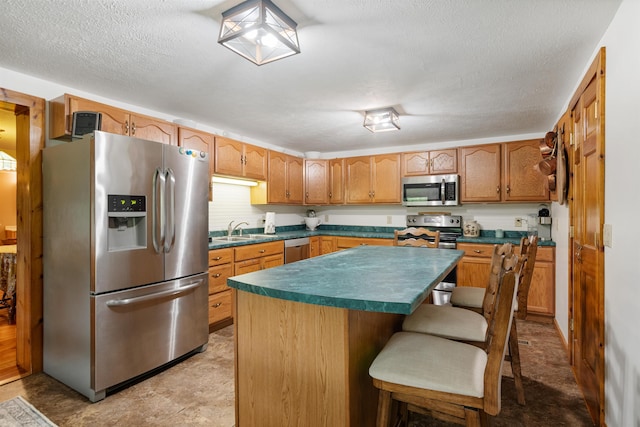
{"points": [[518, 222], [326, 218], [389, 219]]}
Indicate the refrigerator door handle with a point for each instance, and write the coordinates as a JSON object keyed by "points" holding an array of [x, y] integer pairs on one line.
{"points": [[157, 215], [170, 210], [153, 296]]}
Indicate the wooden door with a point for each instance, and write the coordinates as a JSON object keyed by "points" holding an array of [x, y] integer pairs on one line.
{"points": [[358, 181], [153, 129], [385, 178], [480, 174], [521, 181], [295, 180], [316, 182], [587, 216], [254, 162], [228, 159], [336, 185]]}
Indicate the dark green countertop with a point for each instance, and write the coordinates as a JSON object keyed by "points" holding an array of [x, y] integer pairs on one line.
{"points": [[362, 278], [294, 232]]}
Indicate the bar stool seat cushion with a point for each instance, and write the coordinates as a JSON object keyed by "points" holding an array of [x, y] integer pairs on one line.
{"points": [[433, 363], [470, 297], [447, 322], [467, 296]]}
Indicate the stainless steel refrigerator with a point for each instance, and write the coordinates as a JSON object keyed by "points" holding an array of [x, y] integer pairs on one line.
{"points": [[125, 259]]}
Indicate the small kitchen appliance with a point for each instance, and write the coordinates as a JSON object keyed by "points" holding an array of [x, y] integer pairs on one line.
{"points": [[312, 223], [544, 224], [270, 223], [450, 227]]}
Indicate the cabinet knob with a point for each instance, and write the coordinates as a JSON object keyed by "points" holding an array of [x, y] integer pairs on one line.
{"points": [[216, 305], [498, 189], [478, 251], [262, 251], [126, 127], [215, 276], [508, 189], [218, 258], [133, 128]]}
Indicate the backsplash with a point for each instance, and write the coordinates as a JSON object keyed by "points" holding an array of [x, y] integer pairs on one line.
{"points": [[233, 203]]}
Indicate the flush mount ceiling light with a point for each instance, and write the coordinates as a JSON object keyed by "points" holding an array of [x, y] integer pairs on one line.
{"points": [[259, 31], [381, 120]]}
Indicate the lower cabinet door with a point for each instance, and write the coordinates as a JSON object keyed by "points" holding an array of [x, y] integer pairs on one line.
{"points": [[219, 306]]}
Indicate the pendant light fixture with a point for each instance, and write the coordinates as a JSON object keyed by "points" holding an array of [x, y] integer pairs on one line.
{"points": [[381, 120], [259, 31]]}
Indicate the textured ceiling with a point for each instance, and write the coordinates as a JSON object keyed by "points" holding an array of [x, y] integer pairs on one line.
{"points": [[454, 69]]}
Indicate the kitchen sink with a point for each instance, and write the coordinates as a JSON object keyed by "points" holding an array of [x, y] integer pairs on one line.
{"points": [[241, 238], [231, 238]]}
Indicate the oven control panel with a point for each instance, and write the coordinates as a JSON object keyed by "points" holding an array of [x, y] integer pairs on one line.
{"points": [[453, 221]]}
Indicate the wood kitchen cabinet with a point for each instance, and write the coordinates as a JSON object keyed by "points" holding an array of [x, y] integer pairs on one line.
{"points": [[474, 268], [327, 244], [317, 178], [502, 173], [220, 295], [430, 162], [285, 179], [350, 242], [257, 257], [114, 120], [336, 181], [201, 141], [240, 160], [314, 246], [373, 179]]}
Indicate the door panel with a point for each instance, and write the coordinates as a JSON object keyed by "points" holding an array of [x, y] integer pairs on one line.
{"points": [[189, 253], [587, 217]]}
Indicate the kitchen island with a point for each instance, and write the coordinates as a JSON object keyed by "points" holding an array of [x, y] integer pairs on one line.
{"points": [[307, 332]]}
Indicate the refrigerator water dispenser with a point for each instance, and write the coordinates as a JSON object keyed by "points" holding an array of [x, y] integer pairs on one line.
{"points": [[127, 223]]}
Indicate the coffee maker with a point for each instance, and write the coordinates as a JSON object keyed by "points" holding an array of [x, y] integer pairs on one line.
{"points": [[544, 223]]}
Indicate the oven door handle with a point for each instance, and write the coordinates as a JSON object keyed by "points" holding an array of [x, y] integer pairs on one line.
{"points": [[156, 295]]}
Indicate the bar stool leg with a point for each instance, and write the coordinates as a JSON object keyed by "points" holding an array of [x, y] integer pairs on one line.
{"points": [[514, 352]]}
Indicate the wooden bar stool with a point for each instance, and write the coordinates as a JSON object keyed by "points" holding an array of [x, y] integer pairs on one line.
{"points": [[449, 380], [471, 298], [418, 237]]}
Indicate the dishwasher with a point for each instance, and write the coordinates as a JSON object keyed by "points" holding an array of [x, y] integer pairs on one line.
{"points": [[296, 249]]}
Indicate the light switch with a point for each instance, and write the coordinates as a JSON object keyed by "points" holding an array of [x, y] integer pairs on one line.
{"points": [[607, 235]]}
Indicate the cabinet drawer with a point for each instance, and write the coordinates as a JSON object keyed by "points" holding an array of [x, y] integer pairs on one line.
{"points": [[219, 306], [543, 254], [220, 256], [258, 250], [218, 277], [476, 249], [350, 242]]}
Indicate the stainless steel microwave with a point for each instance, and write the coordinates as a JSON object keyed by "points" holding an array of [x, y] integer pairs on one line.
{"points": [[430, 190]]}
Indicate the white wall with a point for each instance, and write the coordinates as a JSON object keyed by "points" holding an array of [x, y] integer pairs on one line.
{"points": [[622, 201]]}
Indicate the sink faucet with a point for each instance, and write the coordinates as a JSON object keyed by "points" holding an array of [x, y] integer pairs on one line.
{"points": [[231, 228]]}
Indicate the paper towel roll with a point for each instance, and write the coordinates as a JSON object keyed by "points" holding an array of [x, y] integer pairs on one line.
{"points": [[270, 223]]}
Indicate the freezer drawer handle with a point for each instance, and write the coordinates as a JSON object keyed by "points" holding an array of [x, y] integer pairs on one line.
{"points": [[149, 297]]}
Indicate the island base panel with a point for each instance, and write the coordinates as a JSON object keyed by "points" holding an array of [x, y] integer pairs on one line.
{"points": [[306, 364]]}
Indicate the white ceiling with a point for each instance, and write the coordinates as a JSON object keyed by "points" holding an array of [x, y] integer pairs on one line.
{"points": [[453, 69]]}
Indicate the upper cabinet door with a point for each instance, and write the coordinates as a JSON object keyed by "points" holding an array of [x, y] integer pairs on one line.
{"points": [[385, 178], [114, 120], [201, 141], [228, 158], [443, 161], [480, 168], [521, 181], [358, 180], [255, 162], [295, 180], [316, 182], [430, 162], [152, 129], [336, 181]]}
